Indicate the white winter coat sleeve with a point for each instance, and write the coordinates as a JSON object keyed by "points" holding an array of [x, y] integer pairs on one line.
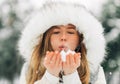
{"points": [[50, 79], [101, 77], [23, 74], [69, 79]]}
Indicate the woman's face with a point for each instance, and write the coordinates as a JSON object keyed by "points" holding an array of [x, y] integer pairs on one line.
{"points": [[64, 37]]}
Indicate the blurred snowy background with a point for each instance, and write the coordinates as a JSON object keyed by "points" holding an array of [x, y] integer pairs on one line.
{"points": [[14, 14]]}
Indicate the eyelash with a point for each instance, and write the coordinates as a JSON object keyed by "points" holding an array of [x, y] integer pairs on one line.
{"points": [[57, 32], [71, 32]]}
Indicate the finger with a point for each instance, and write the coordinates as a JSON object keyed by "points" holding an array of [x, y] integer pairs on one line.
{"points": [[53, 59], [68, 59], [60, 64], [58, 59], [72, 59], [48, 56], [77, 58]]}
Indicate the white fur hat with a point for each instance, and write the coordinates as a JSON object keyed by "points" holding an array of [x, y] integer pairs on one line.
{"points": [[57, 13]]}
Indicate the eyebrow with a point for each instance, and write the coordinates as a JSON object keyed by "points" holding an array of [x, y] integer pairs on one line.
{"points": [[56, 27], [69, 27]]}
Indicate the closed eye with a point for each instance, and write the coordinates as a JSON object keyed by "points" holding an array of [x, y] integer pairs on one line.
{"points": [[70, 32], [56, 32]]}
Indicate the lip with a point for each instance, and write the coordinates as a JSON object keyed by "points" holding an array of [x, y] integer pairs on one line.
{"points": [[63, 47]]}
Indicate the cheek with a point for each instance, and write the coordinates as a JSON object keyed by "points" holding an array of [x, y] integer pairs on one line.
{"points": [[73, 43], [53, 42], [74, 39]]}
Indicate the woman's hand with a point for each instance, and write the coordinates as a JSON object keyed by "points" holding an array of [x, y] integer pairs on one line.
{"points": [[53, 63], [71, 64]]}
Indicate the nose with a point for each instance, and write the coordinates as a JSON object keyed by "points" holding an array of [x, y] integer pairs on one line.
{"points": [[63, 37]]}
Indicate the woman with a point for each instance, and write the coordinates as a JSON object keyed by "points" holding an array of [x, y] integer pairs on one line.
{"points": [[62, 26]]}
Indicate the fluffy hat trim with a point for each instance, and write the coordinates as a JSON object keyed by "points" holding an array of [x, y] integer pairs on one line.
{"points": [[62, 13]]}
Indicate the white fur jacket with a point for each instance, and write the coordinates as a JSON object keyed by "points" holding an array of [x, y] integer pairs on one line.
{"points": [[96, 78], [57, 13]]}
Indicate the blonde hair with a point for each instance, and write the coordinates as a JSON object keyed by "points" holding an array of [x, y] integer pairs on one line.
{"points": [[36, 68]]}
